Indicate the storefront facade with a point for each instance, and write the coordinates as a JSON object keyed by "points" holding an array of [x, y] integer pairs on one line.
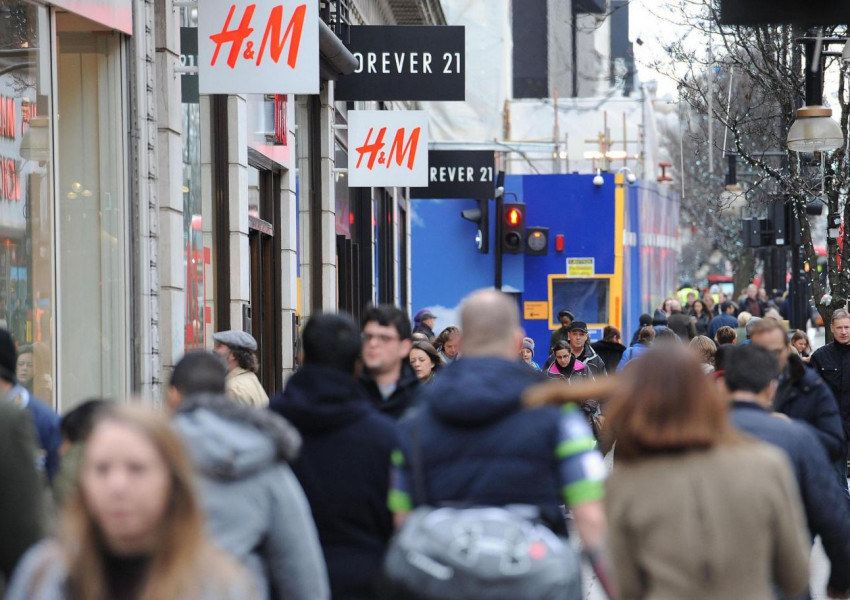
{"points": [[64, 211]]}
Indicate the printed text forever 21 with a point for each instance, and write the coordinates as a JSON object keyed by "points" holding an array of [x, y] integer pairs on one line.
{"points": [[390, 63]]}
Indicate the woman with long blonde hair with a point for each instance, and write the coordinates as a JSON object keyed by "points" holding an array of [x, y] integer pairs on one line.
{"points": [[132, 528]]}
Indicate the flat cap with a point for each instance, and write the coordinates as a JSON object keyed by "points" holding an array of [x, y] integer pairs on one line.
{"points": [[236, 339]]}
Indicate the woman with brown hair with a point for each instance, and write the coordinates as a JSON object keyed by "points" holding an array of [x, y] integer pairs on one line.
{"points": [[448, 343], [425, 360], [132, 528], [691, 505]]}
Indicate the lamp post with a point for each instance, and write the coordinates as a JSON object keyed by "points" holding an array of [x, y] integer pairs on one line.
{"points": [[814, 130]]}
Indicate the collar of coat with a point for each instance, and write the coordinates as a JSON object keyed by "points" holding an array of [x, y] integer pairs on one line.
{"points": [[286, 438]]}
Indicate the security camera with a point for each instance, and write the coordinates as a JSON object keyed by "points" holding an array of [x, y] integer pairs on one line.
{"points": [[598, 181], [631, 178], [500, 191]]}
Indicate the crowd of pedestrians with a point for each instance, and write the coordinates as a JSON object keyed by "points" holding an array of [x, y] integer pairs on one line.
{"points": [[407, 461]]}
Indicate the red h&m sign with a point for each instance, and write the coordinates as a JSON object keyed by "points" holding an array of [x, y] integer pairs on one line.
{"points": [[387, 148], [258, 46]]}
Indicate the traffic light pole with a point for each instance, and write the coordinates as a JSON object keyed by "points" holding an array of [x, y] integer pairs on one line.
{"points": [[497, 247]]}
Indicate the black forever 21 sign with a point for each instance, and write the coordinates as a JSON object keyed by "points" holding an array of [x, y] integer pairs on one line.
{"points": [[405, 63], [458, 174]]}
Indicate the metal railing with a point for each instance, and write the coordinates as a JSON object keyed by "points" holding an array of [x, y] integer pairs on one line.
{"points": [[337, 15]]}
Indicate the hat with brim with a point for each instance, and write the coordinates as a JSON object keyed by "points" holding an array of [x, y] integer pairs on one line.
{"points": [[424, 314], [577, 326], [235, 338]]}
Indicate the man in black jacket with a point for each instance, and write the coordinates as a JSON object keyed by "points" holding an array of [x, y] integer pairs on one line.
{"points": [[832, 362], [801, 394], [750, 376], [387, 375], [344, 466]]}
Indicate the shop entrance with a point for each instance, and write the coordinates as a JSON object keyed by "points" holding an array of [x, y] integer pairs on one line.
{"points": [[263, 317]]}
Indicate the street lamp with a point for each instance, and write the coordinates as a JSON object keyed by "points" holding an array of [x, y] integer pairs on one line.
{"points": [[814, 130]]}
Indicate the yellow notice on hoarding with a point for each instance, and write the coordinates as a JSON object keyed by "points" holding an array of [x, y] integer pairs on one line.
{"points": [[581, 267], [535, 311]]}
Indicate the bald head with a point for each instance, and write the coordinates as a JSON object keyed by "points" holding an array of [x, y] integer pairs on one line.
{"points": [[490, 324]]}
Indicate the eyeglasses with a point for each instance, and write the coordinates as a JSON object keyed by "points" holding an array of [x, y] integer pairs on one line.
{"points": [[381, 337]]}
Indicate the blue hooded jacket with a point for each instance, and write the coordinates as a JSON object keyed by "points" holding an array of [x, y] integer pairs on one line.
{"points": [[479, 447]]}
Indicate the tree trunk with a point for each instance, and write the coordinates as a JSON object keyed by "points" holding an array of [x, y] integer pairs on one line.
{"points": [[744, 272]]}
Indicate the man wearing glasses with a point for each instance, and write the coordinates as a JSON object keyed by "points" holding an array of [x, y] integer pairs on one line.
{"points": [[387, 374]]}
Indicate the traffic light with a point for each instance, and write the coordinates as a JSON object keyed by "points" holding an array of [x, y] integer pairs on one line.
{"points": [[480, 217], [513, 227], [537, 241]]}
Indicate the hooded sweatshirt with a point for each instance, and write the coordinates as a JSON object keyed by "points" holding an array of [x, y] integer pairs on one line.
{"points": [[255, 508], [344, 468]]}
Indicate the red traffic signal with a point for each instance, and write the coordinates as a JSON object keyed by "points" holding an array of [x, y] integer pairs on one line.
{"points": [[513, 229], [514, 217]]}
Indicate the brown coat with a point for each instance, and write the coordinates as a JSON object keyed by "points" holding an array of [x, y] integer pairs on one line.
{"points": [[707, 525]]}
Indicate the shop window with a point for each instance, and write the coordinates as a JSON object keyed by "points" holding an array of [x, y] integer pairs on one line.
{"points": [[92, 213], [26, 218]]}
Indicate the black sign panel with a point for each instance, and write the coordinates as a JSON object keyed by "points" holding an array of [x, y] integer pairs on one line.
{"points": [[189, 58], [405, 62], [760, 12], [458, 174]]}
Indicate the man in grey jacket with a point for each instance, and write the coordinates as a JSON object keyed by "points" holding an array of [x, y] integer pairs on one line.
{"points": [[256, 510]]}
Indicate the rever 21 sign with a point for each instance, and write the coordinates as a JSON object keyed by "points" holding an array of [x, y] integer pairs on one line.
{"points": [[405, 62], [459, 174], [258, 47], [387, 148]]}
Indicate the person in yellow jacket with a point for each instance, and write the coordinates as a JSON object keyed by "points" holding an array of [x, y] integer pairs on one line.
{"points": [[238, 348]]}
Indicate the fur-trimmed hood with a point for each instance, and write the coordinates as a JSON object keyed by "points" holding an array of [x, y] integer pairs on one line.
{"points": [[232, 441]]}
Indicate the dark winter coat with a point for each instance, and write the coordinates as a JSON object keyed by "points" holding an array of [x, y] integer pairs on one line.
{"points": [[682, 326], [825, 503], [803, 395], [344, 468], [423, 328], [722, 320], [702, 322], [592, 361], [611, 353], [832, 363], [21, 510], [478, 445], [750, 306], [401, 399]]}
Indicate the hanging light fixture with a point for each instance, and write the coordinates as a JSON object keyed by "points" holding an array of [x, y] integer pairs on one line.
{"points": [[815, 130]]}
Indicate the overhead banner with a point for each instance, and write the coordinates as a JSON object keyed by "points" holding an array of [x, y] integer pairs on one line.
{"points": [[459, 174], [387, 148], [258, 47], [405, 62]]}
